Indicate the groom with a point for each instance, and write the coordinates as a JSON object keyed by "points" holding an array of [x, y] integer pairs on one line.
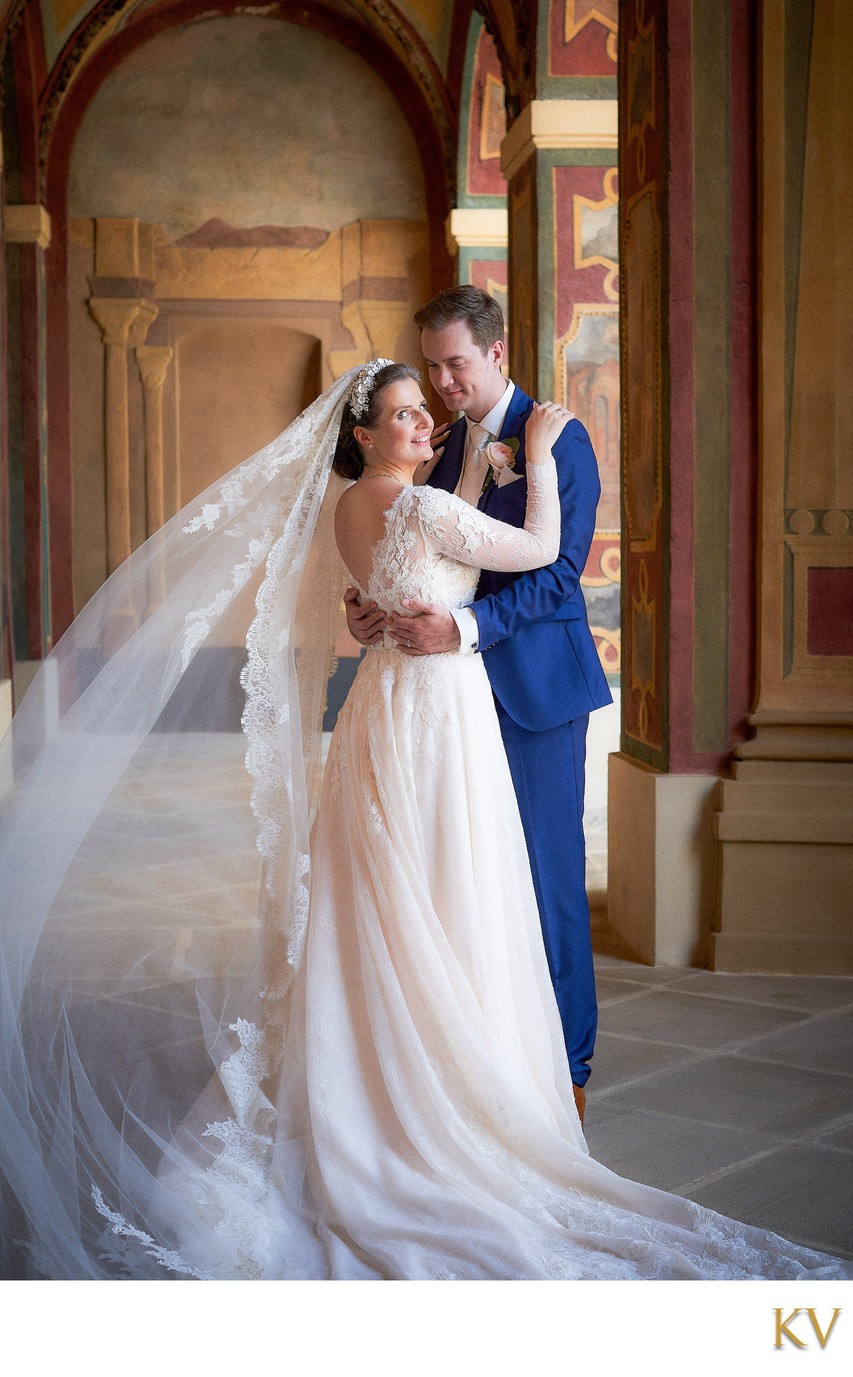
{"points": [[531, 629]]}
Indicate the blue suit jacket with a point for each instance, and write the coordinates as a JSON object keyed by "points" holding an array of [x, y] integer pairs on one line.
{"points": [[533, 631]]}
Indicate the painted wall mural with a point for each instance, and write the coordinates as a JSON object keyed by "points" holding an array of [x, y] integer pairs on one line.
{"points": [[582, 38], [481, 183], [644, 621], [431, 19], [586, 367], [485, 117], [240, 242], [233, 104]]}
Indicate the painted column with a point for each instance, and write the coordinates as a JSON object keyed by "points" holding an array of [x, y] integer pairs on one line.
{"points": [[114, 317], [121, 305], [153, 362], [686, 154], [375, 306], [785, 818], [559, 158], [7, 654], [29, 226], [476, 229], [730, 800]]}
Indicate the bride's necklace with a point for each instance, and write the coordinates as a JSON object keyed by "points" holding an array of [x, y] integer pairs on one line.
{"points": [[380, 473]]}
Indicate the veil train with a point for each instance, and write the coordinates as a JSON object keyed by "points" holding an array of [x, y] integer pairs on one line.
{"points": [[154, 894]]}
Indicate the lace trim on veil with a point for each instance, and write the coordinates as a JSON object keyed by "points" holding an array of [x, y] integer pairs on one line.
{"points": [[289, 656]]}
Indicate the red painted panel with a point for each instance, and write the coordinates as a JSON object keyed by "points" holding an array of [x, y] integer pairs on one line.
{"points": [[586, 53], [830, 612], [486, 125]]}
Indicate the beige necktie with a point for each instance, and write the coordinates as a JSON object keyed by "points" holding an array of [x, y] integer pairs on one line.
{"points": [[475, 466]]}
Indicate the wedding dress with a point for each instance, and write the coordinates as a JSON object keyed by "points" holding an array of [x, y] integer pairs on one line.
{"points": [[398, 1103]]}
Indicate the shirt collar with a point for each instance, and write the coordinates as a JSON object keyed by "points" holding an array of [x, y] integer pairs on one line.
{"points": [[494, 419]]}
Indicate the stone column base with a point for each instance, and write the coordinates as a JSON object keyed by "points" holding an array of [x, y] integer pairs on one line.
{"points": [[784, 833], [660, 862]]}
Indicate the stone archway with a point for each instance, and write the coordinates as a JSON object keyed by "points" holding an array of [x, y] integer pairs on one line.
{"points": [[400, 61]]}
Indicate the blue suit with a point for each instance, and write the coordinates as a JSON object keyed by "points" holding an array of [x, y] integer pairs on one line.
{"points": [[546, 678]]}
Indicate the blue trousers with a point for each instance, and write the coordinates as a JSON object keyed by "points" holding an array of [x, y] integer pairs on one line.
{"points": [[548, 774]]}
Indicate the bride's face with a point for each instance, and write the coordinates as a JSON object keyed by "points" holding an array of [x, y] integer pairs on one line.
{"points": [[401, 435]]}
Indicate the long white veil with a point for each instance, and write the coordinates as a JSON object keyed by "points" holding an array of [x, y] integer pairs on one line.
{"points": [[135, 957]]}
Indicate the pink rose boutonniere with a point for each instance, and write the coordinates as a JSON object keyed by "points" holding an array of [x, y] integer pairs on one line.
{"points": [[500, 455]]}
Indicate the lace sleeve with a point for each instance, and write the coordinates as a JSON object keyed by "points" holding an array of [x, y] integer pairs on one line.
{"points": [[455, 528]]}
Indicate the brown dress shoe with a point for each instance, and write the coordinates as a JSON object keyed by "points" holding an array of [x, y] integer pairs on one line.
{"points": [[580, 1101]]}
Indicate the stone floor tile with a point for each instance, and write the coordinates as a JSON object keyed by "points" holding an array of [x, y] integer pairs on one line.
{"points": [[611, 987], [618, 1060], [812, 993], [662, 1151], [822, 1044], [804, 1193], [634, 970], [757, 1096], [841, 1138], [693, 1020]]}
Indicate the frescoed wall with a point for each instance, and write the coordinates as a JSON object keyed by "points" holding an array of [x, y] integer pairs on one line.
{"points": [[271, 243], [586, 367], [206, 201], [581, 38], [644, 622], [481, 187], [219, 121]]}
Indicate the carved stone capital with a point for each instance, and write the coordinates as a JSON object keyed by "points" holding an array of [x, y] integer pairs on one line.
{"points": [[558, 124], [27, 225], [475, 227], [376, 326], [139, 328], [114, 316], [153, 362]]}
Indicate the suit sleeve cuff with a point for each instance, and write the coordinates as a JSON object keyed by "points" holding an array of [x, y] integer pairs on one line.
{"points": [[469, 632]]}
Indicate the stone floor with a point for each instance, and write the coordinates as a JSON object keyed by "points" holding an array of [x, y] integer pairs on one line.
{"points": [[736, 1091], [733, 1090]]}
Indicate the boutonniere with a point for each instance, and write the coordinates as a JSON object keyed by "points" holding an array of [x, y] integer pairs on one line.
{"points": [[500, 455]]}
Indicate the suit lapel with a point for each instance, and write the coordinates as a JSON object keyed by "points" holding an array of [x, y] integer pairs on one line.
{"points": [[517, 412], [519, 409]]}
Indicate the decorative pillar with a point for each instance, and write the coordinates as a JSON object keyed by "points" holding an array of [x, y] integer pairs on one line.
{"points": [[121, 304], [29, 227], [785, 818], [687, 177], [375, 307], [153, 362], [114, 317], [559, 161], [731, 800], [7, 653], [548, 137], [476, 230]]}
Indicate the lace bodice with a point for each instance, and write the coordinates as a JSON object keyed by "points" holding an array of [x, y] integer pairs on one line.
{"points": [[435, 544]]}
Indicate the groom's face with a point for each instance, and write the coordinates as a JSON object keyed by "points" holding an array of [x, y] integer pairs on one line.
{"points": [[465, 378]]}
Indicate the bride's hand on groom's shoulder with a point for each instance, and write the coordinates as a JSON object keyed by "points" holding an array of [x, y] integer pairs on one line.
{"points": [[544, 427], [366, 623], [426, 629]]}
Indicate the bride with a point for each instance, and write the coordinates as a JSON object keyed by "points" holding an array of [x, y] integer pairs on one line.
{"points": [[389, 1097]]}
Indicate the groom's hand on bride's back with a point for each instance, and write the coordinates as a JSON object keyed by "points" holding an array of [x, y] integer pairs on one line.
{"points": [[366, 623], [427, 629]]}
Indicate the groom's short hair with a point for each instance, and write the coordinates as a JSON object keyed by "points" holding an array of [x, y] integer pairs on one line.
{"points": [[480, 311]]}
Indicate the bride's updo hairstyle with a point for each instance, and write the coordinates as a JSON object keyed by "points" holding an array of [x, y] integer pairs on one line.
{"points": [[349, 460]]}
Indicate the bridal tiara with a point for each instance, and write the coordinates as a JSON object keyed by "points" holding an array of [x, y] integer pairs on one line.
{"points": [[359, 396]]}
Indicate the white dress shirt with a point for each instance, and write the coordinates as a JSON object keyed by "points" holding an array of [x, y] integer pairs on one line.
{"points": [[474, 471]]}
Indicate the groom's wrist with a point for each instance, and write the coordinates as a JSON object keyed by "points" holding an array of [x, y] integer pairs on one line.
{"points": [[469, 632]]}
